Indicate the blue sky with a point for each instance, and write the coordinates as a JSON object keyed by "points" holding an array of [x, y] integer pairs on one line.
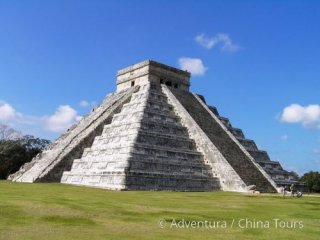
{"points": [[257, 61]]}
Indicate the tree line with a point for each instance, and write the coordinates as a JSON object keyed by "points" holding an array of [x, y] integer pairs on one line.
{"points": [[16, 152]]}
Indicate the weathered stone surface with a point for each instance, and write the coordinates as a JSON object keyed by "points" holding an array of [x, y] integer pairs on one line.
{"points": [[214, 127], [145, 147], [152, 134], [58, 157], [229, 179], [280, 176]]}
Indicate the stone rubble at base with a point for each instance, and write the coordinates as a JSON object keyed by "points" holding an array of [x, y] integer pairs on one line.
{"points": [[153, 134]]}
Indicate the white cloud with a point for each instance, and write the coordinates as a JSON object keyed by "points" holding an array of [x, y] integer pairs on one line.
{"points": [[223, 38], [63, 118], [84, 103], [308, 116], [11, 117], [193, 65], [7, 112], [284, 138], [58, 122], [315, 151]]}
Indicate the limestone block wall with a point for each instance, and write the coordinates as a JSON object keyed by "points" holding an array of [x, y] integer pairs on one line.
{"points": [[104, 164], [236, 155], [145, 147], [272, 168], [50, 164], [152, 72], [164, 156], [229, 179]]}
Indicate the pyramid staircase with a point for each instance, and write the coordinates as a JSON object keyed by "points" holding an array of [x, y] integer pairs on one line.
{"points": [[231, 149], [145, 147], [49, 165], [280, 176]]}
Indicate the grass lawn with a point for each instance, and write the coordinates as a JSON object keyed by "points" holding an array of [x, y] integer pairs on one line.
{"points": [[56, 211]]}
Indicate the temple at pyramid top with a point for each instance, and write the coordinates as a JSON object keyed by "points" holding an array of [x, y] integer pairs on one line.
{"points": [[154, 134], [152, 72]]}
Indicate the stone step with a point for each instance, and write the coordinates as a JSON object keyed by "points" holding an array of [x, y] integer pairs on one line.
{"points": [[166, 135], [152, 105], [112, 130], [119, 130], [153, 93], [169, 159], [237, 132], [115, 180], [140, 157], [116, 140], [226, 122], [269, 162], [214, 110], [122, 118], [87, 161], [143, 181], [151, 150], [99, 167], [180, 175], [154, 165], [151, 96], [167, 118], [196, 162], [146, 113], [160, 151], [163, 135], [147, 125], [152, 138], [259, 155], [88, 152], [172, 141], [274, 169], [158, 126], [153, 124], [172, 168], [248, 144]]}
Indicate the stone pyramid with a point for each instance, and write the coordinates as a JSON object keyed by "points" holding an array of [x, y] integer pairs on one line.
{"points": [[153, 134]]}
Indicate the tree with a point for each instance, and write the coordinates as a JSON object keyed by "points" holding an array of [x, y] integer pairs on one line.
{"points": [[31, 142], [8, 133], [312, 180], [14, 153], [12, 156], [294, 175]]}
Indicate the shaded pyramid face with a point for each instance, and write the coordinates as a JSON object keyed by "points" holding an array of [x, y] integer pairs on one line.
{"points": [[153, 134]]}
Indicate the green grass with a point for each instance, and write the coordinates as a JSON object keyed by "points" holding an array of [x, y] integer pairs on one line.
{"points": [[56, 211]]}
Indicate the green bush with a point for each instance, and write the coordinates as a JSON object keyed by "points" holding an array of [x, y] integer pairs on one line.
{"points": [[14, 153], [312, 181]]}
